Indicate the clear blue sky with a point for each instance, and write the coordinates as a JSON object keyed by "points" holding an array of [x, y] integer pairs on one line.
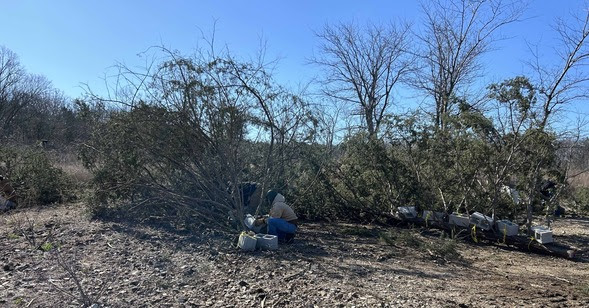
{"points": [[73, 42]]}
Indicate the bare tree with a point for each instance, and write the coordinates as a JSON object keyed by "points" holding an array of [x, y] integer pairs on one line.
{"points": [[566, 81], [11, 74], [363, 66], [26, 100], [457, 34], [561, 84]]}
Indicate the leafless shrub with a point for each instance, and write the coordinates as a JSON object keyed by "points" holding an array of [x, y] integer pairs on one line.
{"points": [[26, 226], [80, 293]]}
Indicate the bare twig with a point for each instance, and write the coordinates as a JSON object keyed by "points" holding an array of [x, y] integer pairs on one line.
{"points": [[561, 279]]}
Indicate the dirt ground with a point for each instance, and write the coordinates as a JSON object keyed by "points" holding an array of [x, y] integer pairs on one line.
{"points": [[120, 264]]}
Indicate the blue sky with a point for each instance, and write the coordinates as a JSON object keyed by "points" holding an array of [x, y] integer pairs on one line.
{"points": [[73, 42]]}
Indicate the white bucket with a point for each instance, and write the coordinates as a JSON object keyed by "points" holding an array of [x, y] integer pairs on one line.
{"points": [[459, 220], [267, 241], [507, 227], [542, 234], [481, 221], [435, 216], [407, 212], [249, 221], [247, 242], [259, 239]]}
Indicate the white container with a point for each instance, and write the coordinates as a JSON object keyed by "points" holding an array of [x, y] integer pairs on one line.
{"points": [[259, 239], [507, 227], [267, 241], [481, 221], [433, 216], [249, 223], [247, 242], [459, 220], [542, 235], [407, 212]]}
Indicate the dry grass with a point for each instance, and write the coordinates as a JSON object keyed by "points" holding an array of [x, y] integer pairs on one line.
{"points": [[581, 180], [70, 164], [76, 172]]}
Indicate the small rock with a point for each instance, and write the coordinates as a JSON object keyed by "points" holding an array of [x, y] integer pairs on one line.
{"points": [[352, 295]]}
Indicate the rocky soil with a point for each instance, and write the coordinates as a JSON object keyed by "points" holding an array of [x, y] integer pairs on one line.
{"points": [[57, 257]]}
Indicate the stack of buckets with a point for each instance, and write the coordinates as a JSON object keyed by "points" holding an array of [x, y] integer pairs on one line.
{"points": [[249, 242]]}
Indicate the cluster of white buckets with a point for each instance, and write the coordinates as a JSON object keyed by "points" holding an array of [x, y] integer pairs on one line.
{"points": [[260, 241], [250, 241], [542, 234]]}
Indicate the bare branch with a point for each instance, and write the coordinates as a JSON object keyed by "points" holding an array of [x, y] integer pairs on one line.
{"points": [[458, 33], [363, 66]]}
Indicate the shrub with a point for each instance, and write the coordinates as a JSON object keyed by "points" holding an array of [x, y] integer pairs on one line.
{"points": [[368, 180], [581, 198], [358, 231], [442, 248], [190, 135], [36, 181], [405, 238]]}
